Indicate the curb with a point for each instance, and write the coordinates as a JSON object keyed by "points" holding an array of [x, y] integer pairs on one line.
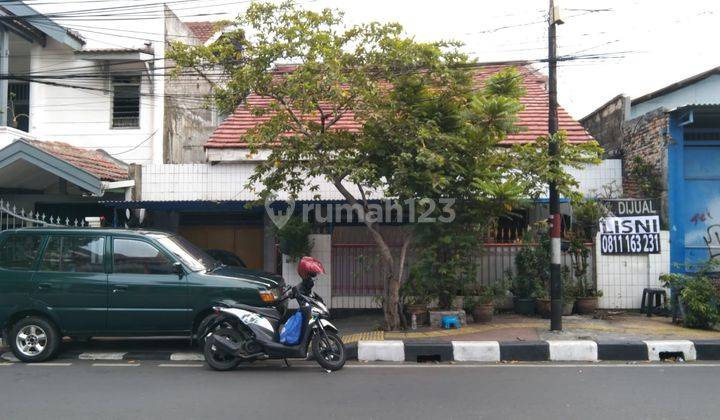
{"points": [[469, 351], [538, 351]]}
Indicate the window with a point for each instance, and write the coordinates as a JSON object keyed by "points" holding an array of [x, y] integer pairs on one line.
{"points": [[138, 257], [74, 254], [126, 102], [19, 252]]}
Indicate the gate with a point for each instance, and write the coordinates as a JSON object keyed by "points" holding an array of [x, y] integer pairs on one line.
{"points": [[13, 218]]}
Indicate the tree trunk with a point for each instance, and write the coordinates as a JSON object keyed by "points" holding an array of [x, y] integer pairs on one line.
{"points": [[391, 283]]}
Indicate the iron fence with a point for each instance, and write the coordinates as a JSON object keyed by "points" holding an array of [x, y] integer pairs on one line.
{"points": [[358, 272], [12, 217]]}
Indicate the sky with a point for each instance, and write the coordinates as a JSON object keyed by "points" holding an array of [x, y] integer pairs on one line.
{"points": [[644, 45]]}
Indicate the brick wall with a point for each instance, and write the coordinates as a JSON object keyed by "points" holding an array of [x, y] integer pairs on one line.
{"points": [[647, 137]]}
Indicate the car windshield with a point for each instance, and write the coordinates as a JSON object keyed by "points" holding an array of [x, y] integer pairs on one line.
{"points": [[195, 258]]}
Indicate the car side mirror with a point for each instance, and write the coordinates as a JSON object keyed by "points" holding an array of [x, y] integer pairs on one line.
{"points": [[178, 268]]}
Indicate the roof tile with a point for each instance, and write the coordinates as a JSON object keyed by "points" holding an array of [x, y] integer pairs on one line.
{"points": [[533, 118], [92, 161]]}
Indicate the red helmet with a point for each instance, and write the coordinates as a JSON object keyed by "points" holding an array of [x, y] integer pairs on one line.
{"points": [[310, 267]]}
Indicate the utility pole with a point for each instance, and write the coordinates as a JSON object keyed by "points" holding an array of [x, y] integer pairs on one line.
{"points": [[556, 220]]}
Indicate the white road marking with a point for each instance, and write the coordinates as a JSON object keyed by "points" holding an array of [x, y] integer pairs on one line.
{"points": [[180, 365], [102, 356], [49, 364], [115, 364], [182, 357], [6, 364]]}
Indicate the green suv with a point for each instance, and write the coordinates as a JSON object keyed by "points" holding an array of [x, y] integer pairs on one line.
{"points": [[57, 282]]}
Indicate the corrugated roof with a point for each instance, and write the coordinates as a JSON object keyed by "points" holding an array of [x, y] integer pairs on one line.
{"points": [[677, 85], [91, 161], [533, 119]]}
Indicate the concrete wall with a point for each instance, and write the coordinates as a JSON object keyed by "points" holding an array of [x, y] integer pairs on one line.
{"points": [[188, 121], [622, 278], [605, 124]]}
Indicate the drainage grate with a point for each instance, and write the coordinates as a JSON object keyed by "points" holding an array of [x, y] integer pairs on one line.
{"points": [[672, 356], [429, 358]]}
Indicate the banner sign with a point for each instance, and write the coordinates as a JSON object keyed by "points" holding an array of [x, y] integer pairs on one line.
{"points": [[633, 227], [632, 207]]}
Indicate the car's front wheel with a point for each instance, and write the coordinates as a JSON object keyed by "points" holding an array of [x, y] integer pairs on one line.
{"points": [[34, 339]]}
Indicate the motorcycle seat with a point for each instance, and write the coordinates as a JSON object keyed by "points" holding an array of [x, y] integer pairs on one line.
{"points": [[271, 313]]}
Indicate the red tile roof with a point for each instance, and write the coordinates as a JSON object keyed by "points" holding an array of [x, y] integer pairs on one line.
{"points": [[533, 119], [93, 161], [203, 30]]}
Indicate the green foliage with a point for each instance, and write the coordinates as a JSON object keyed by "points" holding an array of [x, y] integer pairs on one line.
{"points": [[416, 290], [647, 177], [570, 287], [698, 294], [445, 261], [587, 213], [294, 238], [532, 265]]}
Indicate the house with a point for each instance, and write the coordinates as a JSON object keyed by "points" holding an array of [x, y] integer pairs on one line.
{"points": [[76, 92], [673, 135], [208, 203]]}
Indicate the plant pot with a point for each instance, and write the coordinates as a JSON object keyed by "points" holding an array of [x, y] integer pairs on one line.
{"points": [[568, 307], [524, 306], [421, 313], [484, 313], [504, 303], [587, 305], [542, 306]]}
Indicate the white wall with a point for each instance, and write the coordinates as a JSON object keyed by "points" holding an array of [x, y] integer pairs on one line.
{"points": [[622, 278], [82, 117], [228, 181], [593, 178], [706, 91]]}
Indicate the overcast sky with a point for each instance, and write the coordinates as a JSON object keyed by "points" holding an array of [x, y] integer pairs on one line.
{"points": [[647, 43]]}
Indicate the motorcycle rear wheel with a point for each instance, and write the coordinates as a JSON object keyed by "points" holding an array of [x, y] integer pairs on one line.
{"points": [[329, 351], [215, 359]]}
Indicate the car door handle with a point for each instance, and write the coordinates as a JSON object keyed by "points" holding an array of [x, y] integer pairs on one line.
{"points": [[119, 288], [44, 286]]}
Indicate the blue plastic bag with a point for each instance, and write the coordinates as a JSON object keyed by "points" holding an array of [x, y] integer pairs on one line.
{"points": [[290, 332]]}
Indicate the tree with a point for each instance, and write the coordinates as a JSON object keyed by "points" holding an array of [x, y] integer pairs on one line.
{"points": [[427, 130]]}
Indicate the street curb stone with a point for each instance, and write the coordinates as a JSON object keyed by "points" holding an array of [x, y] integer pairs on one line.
{"points": [[524, 351], [622, 350], [468, 351], [707, 349]]}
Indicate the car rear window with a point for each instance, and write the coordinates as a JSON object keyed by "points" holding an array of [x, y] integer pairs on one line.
{"points": [[19, 252]]}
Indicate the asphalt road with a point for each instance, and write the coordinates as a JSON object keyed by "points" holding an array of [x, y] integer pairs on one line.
{"points": [[86, 390]]}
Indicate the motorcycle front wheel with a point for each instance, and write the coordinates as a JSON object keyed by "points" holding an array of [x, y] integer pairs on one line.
{"points": [[218, 360], [329, 350]]}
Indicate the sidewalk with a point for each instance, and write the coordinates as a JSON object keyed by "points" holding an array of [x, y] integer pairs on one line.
{"points": [[510, 327]]}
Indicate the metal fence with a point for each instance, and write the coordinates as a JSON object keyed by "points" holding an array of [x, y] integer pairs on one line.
{"points": [[358, 272], [12, 217]]}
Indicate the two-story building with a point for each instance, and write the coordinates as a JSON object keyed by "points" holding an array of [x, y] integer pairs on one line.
{"points": [[109, 98]]}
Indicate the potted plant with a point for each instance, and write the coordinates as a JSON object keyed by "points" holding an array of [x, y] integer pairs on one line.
{"points": [[542, 302], [484, 303], [524, 292], [532, 263], [586, 294], [415, 296], [569, 292]]}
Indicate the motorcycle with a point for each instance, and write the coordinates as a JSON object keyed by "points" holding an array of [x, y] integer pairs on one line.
{"points": [[241, 333]]}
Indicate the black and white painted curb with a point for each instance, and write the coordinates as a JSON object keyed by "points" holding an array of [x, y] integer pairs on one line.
{"points": [[468, 351], [538, 351]]}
